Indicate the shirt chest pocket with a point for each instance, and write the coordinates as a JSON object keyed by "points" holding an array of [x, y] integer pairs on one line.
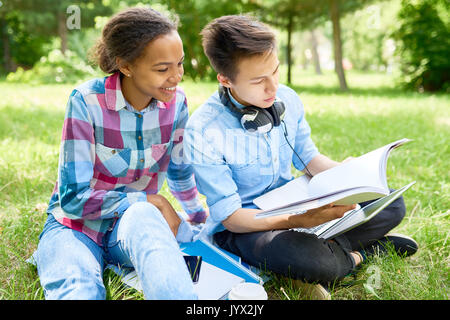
{"points": [[112, 161], [249, 160], [157, 157], [247, 175]]}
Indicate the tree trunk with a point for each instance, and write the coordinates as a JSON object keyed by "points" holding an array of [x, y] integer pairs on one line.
{"points": [[337, 44], [290, 27], [62, 31], [8, 64], [315, 53]]}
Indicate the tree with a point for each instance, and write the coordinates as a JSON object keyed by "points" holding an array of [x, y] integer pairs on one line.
{"points": [[292, 15], [314, 52], [27, 25], [424, 44], [289, 15], [51, 18], [193, 16], [369, 44], [337, 43], [6, 15]]}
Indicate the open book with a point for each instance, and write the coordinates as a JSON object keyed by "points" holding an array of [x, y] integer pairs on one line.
{"points": [[358, 180], [354, 218]]}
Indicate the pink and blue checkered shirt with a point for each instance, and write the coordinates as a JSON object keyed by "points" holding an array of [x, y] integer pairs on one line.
{"points": [[112, 156]]}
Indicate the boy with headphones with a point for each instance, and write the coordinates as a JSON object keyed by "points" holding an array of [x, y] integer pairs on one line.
{"points": [[242, 142]]}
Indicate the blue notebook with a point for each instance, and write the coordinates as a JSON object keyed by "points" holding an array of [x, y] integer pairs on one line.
{"points": [[220, 271], [221, 259]]}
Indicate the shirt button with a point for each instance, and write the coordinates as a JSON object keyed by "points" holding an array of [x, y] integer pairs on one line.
{"points": [[113, 151], [142, 160], [140, 137], [139, 115], [137, 178]]}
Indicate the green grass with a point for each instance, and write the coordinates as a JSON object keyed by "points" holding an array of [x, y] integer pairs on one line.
{"points": [[373, 113]]}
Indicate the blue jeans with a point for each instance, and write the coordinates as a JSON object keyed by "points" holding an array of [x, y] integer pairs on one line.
{"points": [[70, 264]]}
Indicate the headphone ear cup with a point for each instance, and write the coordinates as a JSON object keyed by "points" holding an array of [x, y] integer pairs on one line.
{"points": [[257, 119], [275, 116], [222, 95], [277, 110]]}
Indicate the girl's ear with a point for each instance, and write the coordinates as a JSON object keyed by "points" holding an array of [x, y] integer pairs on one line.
{"points": [[124, 67], [223, 80]]}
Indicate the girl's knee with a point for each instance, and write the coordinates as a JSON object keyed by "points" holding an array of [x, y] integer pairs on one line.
{"points": [[141, 213], [143, 220], [141, 208]]}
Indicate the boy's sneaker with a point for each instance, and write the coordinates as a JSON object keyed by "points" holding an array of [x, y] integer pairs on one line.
{"points": [[404, 246], [312, 291]]}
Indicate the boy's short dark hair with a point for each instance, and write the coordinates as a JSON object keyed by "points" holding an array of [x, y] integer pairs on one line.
{"points": [[228, 39]]}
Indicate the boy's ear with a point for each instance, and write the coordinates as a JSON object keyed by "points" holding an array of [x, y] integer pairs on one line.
{"points": [[223, 80]]}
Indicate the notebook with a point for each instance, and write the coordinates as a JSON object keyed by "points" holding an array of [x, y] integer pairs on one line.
{"points": [[220, 271]]}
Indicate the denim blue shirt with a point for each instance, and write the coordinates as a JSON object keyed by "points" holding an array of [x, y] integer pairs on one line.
{"points": [[232, 166]]}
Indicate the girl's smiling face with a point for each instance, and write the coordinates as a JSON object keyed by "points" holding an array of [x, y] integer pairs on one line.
{"points": [[159, 69]]}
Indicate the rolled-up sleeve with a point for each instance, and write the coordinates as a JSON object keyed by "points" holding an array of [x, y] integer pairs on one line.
{"points": [[216, 183], [213, 176]]}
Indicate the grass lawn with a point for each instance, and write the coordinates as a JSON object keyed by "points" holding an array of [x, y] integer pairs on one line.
{"points": [[371, 115]]}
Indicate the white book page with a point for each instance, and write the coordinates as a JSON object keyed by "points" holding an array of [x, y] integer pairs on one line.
{"points": [[359, 172], [352, 196], [364, 175], [214, 283], [293, 191]]}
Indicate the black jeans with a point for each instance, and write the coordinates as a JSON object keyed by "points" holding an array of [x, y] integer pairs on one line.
{"points": [[304, 256]]}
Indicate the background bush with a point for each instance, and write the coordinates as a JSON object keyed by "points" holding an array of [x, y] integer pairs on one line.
{"points": [[55, 68], [424, 44]]}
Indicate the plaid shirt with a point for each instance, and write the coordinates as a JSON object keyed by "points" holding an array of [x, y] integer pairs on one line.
{"points": [[112, 156]]}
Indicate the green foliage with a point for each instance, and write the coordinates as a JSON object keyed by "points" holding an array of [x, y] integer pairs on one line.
{"points": [[55, 68], [26, 47], [366, 36], [193, 15], [424, 44], [27, 27]]}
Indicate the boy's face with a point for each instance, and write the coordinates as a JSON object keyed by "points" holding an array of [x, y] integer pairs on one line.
{"points": [[256, 81]]}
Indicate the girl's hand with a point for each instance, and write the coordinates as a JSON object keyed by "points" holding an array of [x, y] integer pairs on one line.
{"points": [[196, 220], [167, 211]]}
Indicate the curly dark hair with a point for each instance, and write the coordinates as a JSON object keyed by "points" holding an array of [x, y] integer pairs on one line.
{"points": [[126, 34]]}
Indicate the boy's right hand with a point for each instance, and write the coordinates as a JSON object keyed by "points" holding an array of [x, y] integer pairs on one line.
{"points": [[315, 217]]}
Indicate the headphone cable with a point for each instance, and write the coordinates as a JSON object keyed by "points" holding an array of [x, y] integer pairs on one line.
{"points": [[295, 152]]}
